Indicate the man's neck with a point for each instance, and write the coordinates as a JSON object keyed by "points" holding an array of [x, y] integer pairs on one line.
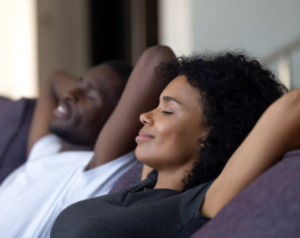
{"points": [[71, 147]]}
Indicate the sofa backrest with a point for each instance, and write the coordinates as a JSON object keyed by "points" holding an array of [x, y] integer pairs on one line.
{"points": [[15, 119], [4, 103], [268, 207], [131, 177]]}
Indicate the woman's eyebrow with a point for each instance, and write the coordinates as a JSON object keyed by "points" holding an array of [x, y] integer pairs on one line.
{"points": [[168, 98]]}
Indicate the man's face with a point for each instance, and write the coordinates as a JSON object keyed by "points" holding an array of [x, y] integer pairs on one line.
{"points": [[83, 110]]}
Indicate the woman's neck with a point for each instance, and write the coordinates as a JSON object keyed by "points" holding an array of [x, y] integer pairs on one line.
{"points": [[171, 180]]}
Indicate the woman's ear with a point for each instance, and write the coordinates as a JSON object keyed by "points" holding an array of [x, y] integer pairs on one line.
{"points": [[202, 138], [200, 143]]}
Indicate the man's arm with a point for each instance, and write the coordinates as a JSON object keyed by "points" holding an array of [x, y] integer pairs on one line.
{"points": [[277, 132], [52, 90], [140, 95]]}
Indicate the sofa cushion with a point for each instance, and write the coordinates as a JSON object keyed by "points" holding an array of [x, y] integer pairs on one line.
{"points": [[268, 207], [4, 103], [131, 177], [15, 119]]}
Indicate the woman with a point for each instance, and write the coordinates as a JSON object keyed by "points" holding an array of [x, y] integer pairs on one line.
{"points": [[202, 120]]}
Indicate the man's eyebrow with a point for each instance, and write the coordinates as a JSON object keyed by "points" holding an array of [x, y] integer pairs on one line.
{"points": [[168, 98], [92, 86], [89, 84], [100, 90]]}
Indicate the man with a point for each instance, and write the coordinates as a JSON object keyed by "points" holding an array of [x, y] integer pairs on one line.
{"points": [[65, 126]]}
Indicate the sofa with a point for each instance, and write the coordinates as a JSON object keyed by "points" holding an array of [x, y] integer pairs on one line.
{"points": [[268, 208], [15, 119]]}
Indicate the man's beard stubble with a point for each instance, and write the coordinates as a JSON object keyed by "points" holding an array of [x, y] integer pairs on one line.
{"points": [[73, 137]]}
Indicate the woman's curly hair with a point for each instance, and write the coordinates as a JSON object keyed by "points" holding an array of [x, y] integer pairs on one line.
{"points": [[235, 91]]}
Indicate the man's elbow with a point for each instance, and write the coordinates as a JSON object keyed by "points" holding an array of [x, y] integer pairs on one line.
{"points": [[158, 53]]}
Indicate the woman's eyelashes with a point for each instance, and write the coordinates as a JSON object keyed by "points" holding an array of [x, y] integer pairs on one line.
{"points": [[167, 113]]}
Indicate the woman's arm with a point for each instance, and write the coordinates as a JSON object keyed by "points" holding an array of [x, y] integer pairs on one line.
{"points": [[52, 90], [140, 95], [277, 132]]}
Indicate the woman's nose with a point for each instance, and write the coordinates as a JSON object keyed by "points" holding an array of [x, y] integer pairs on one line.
{"points": [[146, 119]]}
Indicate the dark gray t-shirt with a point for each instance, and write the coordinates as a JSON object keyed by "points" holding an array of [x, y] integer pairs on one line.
{"points": [[138, 211]]}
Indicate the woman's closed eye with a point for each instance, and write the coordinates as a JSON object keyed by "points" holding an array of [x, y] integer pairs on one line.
{"points": [[167, 112]]}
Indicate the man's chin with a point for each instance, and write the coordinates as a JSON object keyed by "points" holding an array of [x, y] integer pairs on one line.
{"points": [[61, 131], [70, 136]]}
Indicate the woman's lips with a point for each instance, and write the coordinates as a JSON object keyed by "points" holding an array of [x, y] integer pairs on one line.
{"points": [[143, 136]]}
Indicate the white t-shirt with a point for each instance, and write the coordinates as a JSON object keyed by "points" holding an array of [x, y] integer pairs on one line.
{"points": [[35, 193]]}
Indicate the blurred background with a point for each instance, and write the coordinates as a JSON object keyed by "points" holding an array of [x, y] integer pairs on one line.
{"points": [[39, 36]]}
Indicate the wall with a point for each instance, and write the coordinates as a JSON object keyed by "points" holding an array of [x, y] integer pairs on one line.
{"points": [[63, 36], [259, 27], [176, 25], [18, 57], [37, 37]]}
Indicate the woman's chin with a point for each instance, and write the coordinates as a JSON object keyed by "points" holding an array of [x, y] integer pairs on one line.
{"points": [[139, 154], [142, 155]]}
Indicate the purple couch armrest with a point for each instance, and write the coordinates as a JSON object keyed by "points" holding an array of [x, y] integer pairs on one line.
{"points": [[269, 207], [4, 103], [131, 177], [15, 119]]}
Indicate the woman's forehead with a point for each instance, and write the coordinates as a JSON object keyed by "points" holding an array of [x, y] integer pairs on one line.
{"points": [[179, 87], [180, 90]]}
